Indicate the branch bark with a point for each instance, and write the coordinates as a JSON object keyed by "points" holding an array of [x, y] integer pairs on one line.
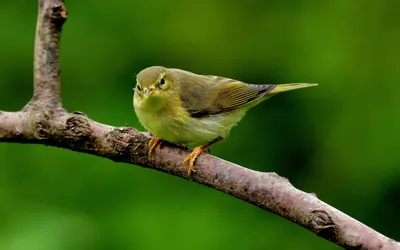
{"points": [[44, 121]]}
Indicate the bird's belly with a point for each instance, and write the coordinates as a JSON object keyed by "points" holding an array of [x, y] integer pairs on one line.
{"points": [[187, 130], [179, 131]]}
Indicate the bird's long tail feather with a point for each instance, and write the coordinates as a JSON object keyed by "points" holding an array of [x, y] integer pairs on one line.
{"points": [[290, 86]]}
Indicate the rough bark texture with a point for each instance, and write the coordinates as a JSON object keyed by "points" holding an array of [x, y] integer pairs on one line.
{"points": [[44, 121]]}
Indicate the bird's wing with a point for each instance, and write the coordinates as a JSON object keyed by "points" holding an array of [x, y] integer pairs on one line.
{"points": [[216, 95]]}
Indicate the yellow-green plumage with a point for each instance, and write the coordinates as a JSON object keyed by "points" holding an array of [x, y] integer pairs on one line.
{"points": [[181, 107]]}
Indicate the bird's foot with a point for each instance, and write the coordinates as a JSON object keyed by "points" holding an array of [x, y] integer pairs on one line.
{"points": [[153, 143], [191, 159]]}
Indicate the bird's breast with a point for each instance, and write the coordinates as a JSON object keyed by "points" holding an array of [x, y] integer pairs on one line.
{"points": [[164, 121]]}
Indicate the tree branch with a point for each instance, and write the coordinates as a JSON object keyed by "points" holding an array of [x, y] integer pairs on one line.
{"points": [[51, 16], [44, 121]]}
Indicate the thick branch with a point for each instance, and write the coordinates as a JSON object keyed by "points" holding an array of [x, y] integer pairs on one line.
{"points": [[12, 126], [51, 16], [43, 120]]}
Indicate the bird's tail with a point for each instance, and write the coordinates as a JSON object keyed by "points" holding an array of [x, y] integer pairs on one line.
{"points": [[290, 86]]}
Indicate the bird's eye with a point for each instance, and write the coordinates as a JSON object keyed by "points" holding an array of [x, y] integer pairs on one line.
{"points": [[138, 88], [162, 81]]}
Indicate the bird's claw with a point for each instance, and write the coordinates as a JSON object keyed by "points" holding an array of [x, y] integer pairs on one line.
{"points": [[191, 159], [153, 143]]}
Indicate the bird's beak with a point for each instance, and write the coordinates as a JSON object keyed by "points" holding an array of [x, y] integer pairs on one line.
{"points": [[149, 92]]}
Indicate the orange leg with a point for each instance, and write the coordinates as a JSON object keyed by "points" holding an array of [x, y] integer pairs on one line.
{"points": [[153, 143], [191, 159]]}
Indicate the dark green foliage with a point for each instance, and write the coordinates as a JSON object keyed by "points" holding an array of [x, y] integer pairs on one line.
{"points": [[338, 140]]}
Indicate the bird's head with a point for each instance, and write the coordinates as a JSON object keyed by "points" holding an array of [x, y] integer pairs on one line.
{"points": [[154, 83]]}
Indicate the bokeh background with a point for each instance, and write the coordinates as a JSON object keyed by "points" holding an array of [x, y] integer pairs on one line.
{"points": [[339, 140]]}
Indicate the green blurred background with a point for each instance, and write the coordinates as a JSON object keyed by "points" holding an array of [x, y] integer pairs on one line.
{"points": [[339, 140]]}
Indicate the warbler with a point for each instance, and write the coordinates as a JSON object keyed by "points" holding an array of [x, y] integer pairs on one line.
{"points": [[181, 107]]}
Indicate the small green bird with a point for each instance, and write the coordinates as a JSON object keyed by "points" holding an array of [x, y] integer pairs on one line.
{"points": [[185, 108]]}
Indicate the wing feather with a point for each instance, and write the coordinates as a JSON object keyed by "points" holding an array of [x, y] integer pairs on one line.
{"points": [[211, 95]]}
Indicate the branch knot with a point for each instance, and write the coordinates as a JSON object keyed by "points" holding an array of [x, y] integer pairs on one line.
{"points": [[58, 14], [124, 139], [77, 128], [323, 223]]}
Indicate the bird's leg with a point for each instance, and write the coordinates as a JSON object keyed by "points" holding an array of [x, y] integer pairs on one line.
{"points": [[153, 143], [191, 159]]}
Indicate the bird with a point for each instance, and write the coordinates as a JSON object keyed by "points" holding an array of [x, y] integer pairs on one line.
{"points": [[184, 108]]}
